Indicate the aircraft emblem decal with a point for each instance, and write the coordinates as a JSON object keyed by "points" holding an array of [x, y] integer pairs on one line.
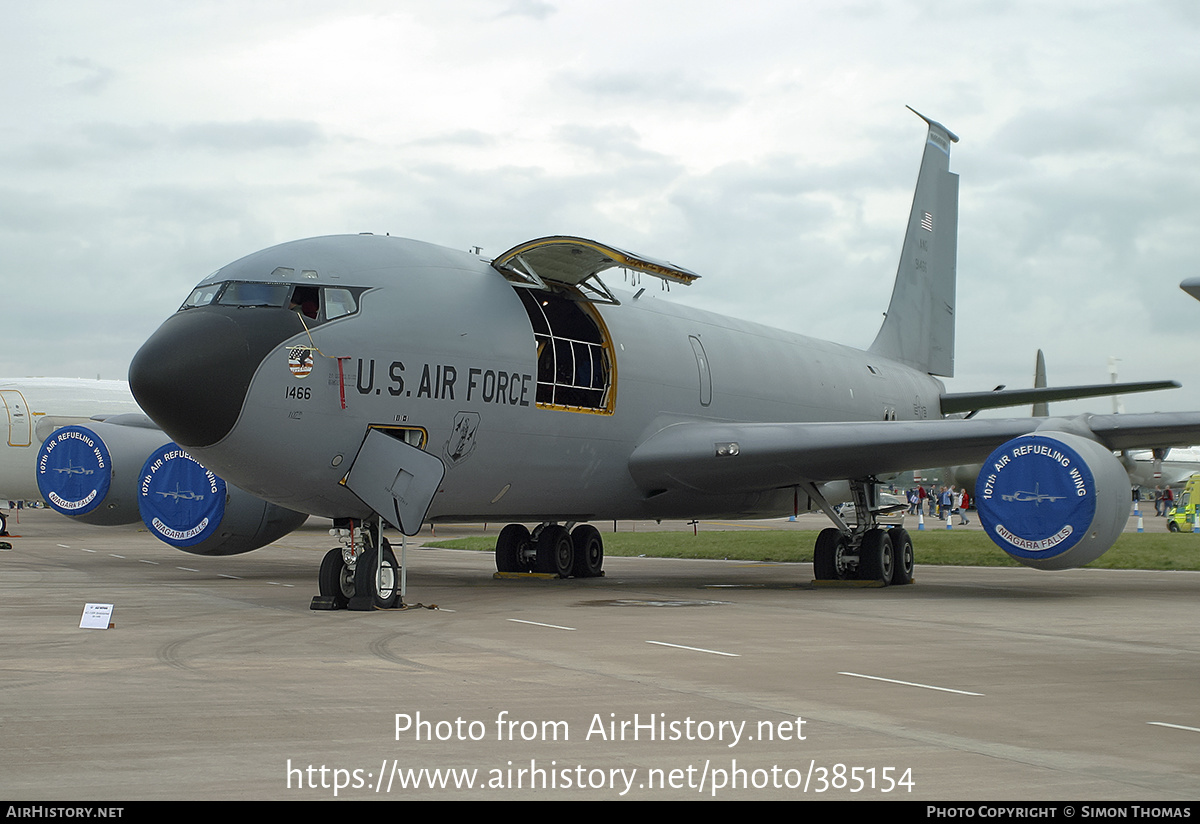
{"points": [[300, 361], [1035, 497], [461, 442], [71, 469], [181, 495]]}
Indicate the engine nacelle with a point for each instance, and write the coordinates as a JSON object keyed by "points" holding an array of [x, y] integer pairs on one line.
{"points": [[109, 474], [90, 473], [190, 508], [1053, 500]]}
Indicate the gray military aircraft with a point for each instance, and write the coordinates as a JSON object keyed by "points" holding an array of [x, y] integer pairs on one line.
{"points": [[366, 378]]}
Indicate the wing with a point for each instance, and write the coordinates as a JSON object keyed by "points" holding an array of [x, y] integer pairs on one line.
{"points": [[746, 457]]}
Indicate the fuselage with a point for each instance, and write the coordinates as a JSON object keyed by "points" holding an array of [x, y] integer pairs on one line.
{"points": [[534, 402]]}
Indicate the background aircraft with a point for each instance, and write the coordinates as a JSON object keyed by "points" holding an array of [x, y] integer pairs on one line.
{"points": [[35, 407], [365, 377], [86, 449], [1161, 467]]}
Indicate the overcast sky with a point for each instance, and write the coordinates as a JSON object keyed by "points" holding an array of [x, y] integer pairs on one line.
{"points": [[764, 145]]}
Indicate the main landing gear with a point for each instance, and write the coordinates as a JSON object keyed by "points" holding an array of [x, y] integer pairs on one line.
{"points": [[352, 576], [864, 551], [551, 549]]}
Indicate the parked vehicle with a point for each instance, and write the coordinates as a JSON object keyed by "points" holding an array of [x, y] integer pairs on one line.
{"points": [[1181, 516]]}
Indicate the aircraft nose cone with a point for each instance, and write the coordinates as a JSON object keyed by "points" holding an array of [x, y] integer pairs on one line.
{"points": [[191, 377]]}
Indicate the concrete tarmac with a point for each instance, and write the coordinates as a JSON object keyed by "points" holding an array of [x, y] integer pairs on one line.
{"points": [[666, 679]]}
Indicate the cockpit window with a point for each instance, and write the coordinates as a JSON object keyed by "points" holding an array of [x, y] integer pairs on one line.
{"points": [[202, 295], [255, 294], [339, 302], [316, 303], [306, 300]]}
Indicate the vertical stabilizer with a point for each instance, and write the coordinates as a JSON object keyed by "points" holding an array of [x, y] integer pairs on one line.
{"points": [[919, 327], [1118, 407], [1040, 409]]}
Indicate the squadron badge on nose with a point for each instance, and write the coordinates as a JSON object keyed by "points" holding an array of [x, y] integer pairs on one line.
{"points": [[300, 361]]}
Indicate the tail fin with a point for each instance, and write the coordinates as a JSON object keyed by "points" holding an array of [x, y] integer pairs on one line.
{"points": [[1041, 409], [919, 327]]}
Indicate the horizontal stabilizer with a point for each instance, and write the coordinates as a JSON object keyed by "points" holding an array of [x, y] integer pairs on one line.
{"points": [[954, 402]]}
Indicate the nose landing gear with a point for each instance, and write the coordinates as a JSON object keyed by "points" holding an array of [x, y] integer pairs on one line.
{"points": [[354, 576]]}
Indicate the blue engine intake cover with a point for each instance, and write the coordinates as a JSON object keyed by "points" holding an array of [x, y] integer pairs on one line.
{"points": [[74, 470], [181, 502], [1052, 500]]}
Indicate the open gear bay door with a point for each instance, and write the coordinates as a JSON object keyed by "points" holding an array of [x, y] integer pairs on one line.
{"points": [[395, 479]]}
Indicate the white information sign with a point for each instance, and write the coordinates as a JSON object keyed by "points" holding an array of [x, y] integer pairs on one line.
{"points": [[96, 616]]}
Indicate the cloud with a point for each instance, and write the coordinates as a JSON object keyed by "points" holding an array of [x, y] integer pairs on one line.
{"points": [[472, 138], [609, 143], [86, 76], [249, 135], [673, 89], [535, 9]]}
